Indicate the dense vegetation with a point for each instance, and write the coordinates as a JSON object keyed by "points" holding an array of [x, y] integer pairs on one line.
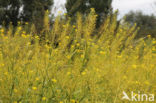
{"points": [[24, 10], [74, 63], [146, 23]]}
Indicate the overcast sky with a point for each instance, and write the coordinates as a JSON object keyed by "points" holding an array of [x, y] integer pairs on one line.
{"points": [[124, 6]]}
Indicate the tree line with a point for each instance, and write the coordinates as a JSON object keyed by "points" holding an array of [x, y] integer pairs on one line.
{"points": [[13, 11]]}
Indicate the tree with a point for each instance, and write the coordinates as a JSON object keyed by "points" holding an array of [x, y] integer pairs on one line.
{"points": [[9, 11], [33, 11], [146, 23], [24, 10], [102, 7]]}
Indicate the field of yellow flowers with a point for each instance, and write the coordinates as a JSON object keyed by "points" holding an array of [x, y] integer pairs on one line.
{"points": [[75, 63]]}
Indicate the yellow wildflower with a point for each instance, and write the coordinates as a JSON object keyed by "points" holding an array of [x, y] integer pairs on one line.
{"points": [[54, 80], [82, 56], [68, 73], [134, 66], [37, 78], [124, 77], [2, 30], [75, 30], [34, 88], [78, 44], [15, 90], [102, 52], [72, 100], [74, 26], [26, 23], [68, 56], [146, 82], [149, 36], [154, 41], [43, 98], [67, 37], [24, 36], [83, 73]]}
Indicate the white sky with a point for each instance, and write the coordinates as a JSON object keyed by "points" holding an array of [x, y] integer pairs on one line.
{"points": [[124, 6]]}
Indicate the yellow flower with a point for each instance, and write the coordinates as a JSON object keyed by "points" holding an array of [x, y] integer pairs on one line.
{"points": [[47, 11], [15, 90], [124, 77], [68, 73], [47, 46], [72, 100], [36, 37], [28, 43], [2, 30], [61, 102], [83, 73], [146, 82], [68, 56], [37, 79], [102, 52], [6, 73], [19, 28], [75, 41], [67, 37], [19, 22], [26, 23], [64, 26], [2, 64], [75, 30], [72, 46], [43, 98], [74, 26], [137, 82], [24, 36], [97, 69], [134, 66], [54, 80], [92, 9], [78, 51], [31, 71], [153, 48], [23, 32], [119, 56], [154, 41], [60, 43], [82, 56], [34, 88], [149, 36], [78, 44]]}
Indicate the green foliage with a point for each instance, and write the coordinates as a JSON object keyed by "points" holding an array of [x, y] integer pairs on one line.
{"points": [[102, 7], [146, 23], [31, 11], [9, 11]]}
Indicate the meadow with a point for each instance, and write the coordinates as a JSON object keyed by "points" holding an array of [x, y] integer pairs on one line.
{"points": [[75, 63]]}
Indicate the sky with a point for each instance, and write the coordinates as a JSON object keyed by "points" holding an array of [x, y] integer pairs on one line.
{"points": [[124, 6]]}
